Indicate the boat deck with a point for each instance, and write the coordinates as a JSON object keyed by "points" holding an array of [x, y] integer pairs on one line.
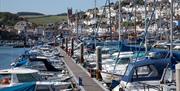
{"points": [[89, 84]]}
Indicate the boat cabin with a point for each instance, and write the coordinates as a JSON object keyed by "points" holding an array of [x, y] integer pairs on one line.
{"points": [[142, 72], [23, 79], [18, 75], [38, 62]]}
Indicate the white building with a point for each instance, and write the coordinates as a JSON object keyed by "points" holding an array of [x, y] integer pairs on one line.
{"points": [[39, 30], [22, 26]]}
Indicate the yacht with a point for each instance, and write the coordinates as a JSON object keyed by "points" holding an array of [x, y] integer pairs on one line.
{"points": [[113, 68], [144, 74]]}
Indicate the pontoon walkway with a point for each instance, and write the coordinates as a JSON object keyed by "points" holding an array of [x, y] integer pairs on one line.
{"points": [[88, 83]]}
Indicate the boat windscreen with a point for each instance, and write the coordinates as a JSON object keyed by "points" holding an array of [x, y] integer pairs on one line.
{"points": [[27, 77], [123, 61], [129, 69]]}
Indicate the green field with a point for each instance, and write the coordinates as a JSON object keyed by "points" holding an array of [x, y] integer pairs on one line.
{"points": [[47, 19]]}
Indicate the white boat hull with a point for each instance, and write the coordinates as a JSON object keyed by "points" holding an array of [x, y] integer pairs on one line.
{"points": [[108, 77]]}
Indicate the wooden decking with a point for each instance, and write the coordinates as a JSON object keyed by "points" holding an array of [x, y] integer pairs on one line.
{"points": [[88, 83]]}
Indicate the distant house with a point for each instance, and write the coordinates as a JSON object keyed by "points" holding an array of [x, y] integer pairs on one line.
{"points": [[39, 30], [69, 15], [10, 29], [50, 26], [22, 26]]}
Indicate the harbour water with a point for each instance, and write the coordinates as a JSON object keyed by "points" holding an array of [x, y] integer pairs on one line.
{"points": [[7, 55]]}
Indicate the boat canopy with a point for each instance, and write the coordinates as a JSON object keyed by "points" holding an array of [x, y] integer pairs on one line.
{"points": [[146, 69]]}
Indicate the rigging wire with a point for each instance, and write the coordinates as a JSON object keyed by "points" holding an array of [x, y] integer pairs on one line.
{"points": [[146, 32], [154, 5]]}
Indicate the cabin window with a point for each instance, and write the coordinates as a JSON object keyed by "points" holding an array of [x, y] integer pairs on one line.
{"points": [[26, 78], [161, 46], [142, 71], [43, 88], [39, 65], [104, 51], [128, 71], [158, 55], [123, 61], [145, 72]]}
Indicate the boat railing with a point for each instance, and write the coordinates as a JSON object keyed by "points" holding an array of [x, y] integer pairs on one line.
{"points": [[148, 86]]}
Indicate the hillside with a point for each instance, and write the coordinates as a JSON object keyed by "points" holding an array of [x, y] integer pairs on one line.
{"points": [[10, 19], [7, 18], [29, 14], [46, 19]]}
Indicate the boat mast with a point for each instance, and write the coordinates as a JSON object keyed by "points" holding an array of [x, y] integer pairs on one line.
{"points": [[110, 21], [95, 23], [95, 8], [145, 5], [77, 29], [171, 31], [160, 21], [25, 34], [120, 15], [135, 22]]}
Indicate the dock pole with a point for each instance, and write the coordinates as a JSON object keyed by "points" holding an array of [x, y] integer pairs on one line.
{"points": [[82, 53], [72, 47], [178, 77], [66, 40], [62, 44], [98, 63]]}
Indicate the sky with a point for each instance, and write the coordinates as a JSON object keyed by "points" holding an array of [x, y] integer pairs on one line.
{"points": [[49, 7]]}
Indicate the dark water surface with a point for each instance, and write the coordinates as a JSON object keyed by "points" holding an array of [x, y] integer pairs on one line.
{"points": [[8, 55]]}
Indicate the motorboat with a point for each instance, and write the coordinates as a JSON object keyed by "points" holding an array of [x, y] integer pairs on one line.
{"points": [[18, 78], [36, 62], [168, 79], [115, 67], [10, 77]]}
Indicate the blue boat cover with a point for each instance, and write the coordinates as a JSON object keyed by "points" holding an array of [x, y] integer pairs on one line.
{"points": [[30, 86], [21, 62]]}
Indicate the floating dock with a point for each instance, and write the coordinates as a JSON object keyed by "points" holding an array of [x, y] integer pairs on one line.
{"points": [[89, 84]]}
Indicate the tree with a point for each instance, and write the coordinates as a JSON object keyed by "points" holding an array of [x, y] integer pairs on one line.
{"points": [[127, 23], [7, 18], [139, 2]]}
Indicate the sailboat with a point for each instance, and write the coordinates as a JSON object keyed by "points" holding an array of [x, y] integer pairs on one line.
{"points": [[145, 74], [114, 67]]}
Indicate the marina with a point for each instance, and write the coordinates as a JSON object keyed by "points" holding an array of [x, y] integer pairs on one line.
{"points": [[122, 45], [37, 72], [88, 74]]}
